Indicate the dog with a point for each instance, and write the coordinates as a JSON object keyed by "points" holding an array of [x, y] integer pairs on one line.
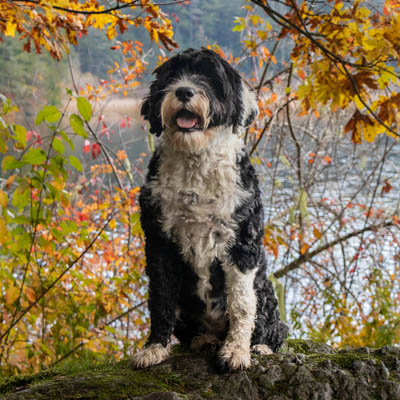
{"points": [[202, 216]]}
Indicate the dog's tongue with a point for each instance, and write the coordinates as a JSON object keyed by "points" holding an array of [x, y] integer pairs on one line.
{"points": [[186, 122]]}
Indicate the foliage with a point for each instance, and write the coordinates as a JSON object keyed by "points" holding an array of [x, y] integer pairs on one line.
{"points": [[53, 25], [63, 288], [332, 219], [343, 54]]}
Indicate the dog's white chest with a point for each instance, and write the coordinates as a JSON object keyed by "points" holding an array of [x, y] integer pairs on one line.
{"points": [[198, 195]]}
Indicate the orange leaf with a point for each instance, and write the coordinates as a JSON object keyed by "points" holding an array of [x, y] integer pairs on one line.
{"points": [[317, 233], [304, 248], [3, 199], [30, 294], [12, 294]]}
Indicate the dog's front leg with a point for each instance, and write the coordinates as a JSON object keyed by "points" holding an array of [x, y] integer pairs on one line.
{"points": [[163, 290], [241, 308]]}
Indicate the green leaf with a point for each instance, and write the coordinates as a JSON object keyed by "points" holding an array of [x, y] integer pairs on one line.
{"points": [[135, 225], [49, 114], [58, 146], [240, 24], [74, 161], [9, 162], [34, 157], [280, 294], [68, 227], [22, 196], [66, 139], [20, 134], [84, 108], [284, 160], [76, 123], [24, 241], [150, 142], [303, 199]]}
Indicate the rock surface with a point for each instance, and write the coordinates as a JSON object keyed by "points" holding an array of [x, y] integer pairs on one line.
{"points": [[304, 370]]}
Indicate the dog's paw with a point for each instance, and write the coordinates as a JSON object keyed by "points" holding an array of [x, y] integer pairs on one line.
{"points": [[209, 340], [261, 349], [232, 357], [150, 355]]}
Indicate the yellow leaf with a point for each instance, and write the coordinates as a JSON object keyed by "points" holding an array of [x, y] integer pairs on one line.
{"points": [[113, 224], [111, 32], [358, 103], [12, 294], [262, 34], [3, 199], [10, 29]]}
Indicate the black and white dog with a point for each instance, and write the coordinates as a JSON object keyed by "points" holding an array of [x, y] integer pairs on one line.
{"points": [[203, 218]]}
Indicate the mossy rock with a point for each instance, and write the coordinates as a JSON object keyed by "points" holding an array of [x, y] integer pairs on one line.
{"points": [[303, 370]]}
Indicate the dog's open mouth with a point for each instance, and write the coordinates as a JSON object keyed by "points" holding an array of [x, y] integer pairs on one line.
{"points": [[187, 121]]}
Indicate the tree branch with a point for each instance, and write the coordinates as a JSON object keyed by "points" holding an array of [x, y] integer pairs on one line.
{"points": [[106, 11], [309, 255]]}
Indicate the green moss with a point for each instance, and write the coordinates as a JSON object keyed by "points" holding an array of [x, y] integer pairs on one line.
{"points": [[306, 347], [342, 360], [8, 384], [99, 380]]}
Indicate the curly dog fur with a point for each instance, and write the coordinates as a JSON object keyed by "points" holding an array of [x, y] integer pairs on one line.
{"points": [[202, 215]]}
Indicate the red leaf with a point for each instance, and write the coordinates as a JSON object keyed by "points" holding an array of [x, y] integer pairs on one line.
{"points": [[86, 146], [104, 130], [387, 187], [95, 150], [82, 216]]}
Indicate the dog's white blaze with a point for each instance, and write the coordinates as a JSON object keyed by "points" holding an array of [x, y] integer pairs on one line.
{"points": [[199, 193], [241, 308], [198, 104]]}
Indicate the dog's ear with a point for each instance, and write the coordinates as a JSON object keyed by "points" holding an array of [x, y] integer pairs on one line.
{"points": [[250, 106], [151, 114], [240, 101], [151, 106]]}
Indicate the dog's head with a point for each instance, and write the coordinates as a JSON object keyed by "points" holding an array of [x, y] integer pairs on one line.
{"points": [[195, 92]]}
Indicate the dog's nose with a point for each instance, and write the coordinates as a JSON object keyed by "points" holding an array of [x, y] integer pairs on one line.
{"points": [[184, 94]]}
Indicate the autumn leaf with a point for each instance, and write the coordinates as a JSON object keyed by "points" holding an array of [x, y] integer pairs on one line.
{"points": [[11, 295]]}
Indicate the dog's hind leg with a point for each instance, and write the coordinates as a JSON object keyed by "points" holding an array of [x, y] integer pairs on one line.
{"points": [[261, 349], [269, 329]]}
